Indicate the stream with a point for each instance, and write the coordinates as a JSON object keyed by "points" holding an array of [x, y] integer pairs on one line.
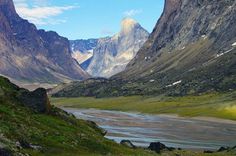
{"points": [[173, 131]]}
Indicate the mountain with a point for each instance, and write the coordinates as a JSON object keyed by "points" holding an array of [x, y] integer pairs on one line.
{"points": [[82, 51], [112, 54], [191, 50], [188, 36], [32, 55]]}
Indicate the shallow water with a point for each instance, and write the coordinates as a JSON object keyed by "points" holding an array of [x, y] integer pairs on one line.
{"points": [[141, 129]]}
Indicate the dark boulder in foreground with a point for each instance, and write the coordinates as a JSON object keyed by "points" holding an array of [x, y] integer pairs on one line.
{"points": [[36, 100], [158, 147], [208, 151], [221, 149], [5, 152], [127, 143], [95, 126]]}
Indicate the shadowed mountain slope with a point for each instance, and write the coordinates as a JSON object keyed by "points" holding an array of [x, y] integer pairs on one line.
{"points": [[32, 55]]}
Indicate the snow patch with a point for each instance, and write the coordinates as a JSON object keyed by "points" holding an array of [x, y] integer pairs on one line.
{"points": [[175, 83], [221, 54], [147, 58], [139, 41], [91, 51], [204, 37], [82, 57], [234, 44], [152, 80]]}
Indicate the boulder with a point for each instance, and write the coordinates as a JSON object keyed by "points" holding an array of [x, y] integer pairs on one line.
{"points": [[24, 144], [158, 147], [223, 149], [127, 143], [1, 92], [5, 152], [208, 151], [95, 126], [36, 100]]}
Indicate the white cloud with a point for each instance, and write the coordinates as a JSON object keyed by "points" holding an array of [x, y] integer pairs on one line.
{"points": [[40, 12], [132, 12]]}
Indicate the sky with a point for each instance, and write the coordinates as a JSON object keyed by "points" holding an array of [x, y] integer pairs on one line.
{"points": [[83, 19]]}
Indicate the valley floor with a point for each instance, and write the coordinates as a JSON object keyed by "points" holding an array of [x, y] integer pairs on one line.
{"points": [[219, 105]]}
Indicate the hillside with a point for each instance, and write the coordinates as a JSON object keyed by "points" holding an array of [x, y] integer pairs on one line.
{"points": [[191, 50], [31, 126], [32, 55]]}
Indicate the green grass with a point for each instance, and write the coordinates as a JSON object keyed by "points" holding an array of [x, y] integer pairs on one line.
{"points": [[220, 105], [60, 134], [56, 134]]}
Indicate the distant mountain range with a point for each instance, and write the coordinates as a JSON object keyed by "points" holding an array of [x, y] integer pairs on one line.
{"points": [[29, 55], [32, 55], [191, 50], [108, 56], [83, 50]]}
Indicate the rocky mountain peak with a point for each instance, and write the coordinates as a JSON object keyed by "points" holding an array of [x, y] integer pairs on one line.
{"points": [[7, 6], [190, 37], [32, 55], [112, 54], [128, 24], [6, 2]]}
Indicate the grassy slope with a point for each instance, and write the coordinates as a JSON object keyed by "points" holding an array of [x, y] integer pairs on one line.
{"points": [[221, 105], [60, 138], [56, 133]]}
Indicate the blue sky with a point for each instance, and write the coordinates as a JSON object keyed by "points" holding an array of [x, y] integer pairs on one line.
{"points": [[82, 19]]}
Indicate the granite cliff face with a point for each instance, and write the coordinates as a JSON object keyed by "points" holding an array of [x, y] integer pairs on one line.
{"points": [[206, 26], [191, 50], [82, 51], [112, 54], [32, 55]]}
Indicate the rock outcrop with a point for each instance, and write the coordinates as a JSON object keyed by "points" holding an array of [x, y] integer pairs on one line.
{"points": [[32, 55], [159, 147], [127, 143], [187, 35], [112, 54], [193, 43], [5, 152], [36, 100]]}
